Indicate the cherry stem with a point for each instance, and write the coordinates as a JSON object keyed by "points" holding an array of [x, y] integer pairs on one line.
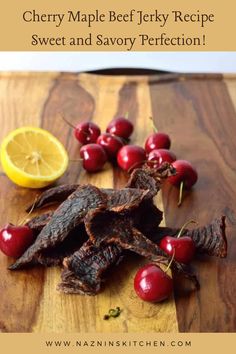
{"points": [[29, 213], [179, 234], [153, 125], [184, 226], [127, 115], [69, 123], [181, 193], [171, 261], [112, 313], [75, 160]]}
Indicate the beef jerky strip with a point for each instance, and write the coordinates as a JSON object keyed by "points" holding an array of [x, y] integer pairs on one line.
{"points": [[142, 178], [61, 193], [53, 195], [118, 200], [107, 227], [148, 178], [84, 270], [69, 215], [147, 218], [52, 254], [38, 222], [209, 239], [123, 201], [73, 279], [126, 199]]}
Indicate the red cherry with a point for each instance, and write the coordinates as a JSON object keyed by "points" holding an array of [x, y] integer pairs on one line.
{"points": [[152, 284], [185, 172], [110, 143], [157, 141], [186, 176], [94, 157], [14, 240], [183, 248], [158, 156], [121, 127], [130, 157], [87, 132]]}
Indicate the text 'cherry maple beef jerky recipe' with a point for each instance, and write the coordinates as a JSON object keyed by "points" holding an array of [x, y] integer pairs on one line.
{"points": [[138, 18]]}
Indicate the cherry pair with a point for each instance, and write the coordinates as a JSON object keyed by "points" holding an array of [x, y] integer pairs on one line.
{"points": [[88, 132], [153, 284], [133, 156]]}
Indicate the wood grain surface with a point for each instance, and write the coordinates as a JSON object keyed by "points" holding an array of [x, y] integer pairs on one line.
{"points": [[199, 112]]}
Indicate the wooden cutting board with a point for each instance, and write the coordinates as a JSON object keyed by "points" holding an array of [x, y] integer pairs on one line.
{"points": [[198, 111]]}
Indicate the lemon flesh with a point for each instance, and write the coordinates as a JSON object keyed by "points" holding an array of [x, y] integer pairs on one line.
{"points": [[32, 157]]}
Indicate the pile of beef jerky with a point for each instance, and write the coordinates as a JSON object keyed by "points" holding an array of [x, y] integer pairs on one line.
{"points": [[92, 229]]}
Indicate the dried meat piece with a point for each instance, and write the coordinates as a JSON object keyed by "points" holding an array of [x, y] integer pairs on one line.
{"points": [[61, 193], [147, 218], [69, 215], [120, 202], [117, 200], [54, 255], [126, 199], [38, 222], [72, 281], [149, 178], [51, 243], [84, 270], [141, 178], [108, 227], [53, 195], [211, 239]]}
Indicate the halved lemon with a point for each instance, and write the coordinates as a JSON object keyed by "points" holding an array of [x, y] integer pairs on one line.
{"points": [[32, 157]]}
